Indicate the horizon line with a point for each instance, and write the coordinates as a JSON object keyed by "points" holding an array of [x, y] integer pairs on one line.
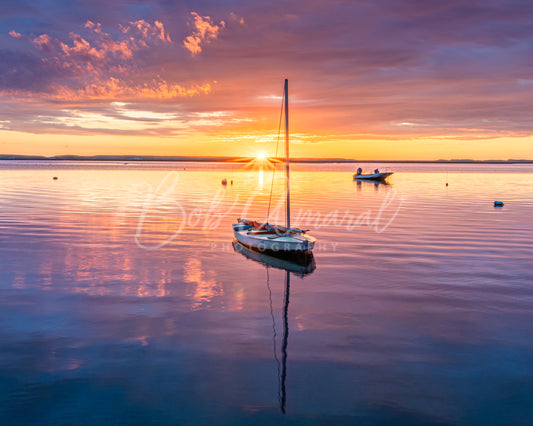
{"points": [[232, 159]]}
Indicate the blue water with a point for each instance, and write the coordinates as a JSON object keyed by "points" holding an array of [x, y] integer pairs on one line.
{"points": [[122, 300]]}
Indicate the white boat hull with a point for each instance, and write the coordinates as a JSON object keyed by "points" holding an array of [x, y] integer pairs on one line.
{"points": [[293, 242], [373, 176]]}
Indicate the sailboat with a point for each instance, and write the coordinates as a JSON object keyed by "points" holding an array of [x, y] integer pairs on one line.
{"points": [[267, 237]]}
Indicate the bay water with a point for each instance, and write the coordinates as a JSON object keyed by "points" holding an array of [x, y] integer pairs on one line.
{"points": [[123, 300]]}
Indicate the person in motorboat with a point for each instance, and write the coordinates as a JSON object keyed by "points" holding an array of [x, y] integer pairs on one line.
{"points": [[359, 170], [376, 171]]}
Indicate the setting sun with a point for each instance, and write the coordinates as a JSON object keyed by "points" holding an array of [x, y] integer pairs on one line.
{"points": [[261, 156]]}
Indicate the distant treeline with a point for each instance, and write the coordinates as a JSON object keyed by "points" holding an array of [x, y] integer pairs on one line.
{"points": [[238, 159]]}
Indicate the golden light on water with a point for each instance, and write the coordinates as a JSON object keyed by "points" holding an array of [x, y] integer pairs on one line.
{"points": [[261, 177]]}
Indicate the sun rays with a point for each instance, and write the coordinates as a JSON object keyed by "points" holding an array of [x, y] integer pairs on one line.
{"points": [[260, 161]]}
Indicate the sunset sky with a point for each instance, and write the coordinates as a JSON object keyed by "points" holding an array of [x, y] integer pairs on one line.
{"points": [[383, 79]]}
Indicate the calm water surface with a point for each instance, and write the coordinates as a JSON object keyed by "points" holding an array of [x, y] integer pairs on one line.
{"points": [[122, 299]]}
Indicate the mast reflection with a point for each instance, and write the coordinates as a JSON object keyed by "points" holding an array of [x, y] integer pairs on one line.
{"points": [[300, 266], [283, 396]]}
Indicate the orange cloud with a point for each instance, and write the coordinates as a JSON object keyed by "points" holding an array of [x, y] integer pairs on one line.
{"points": [[160, 33], [115, 88], [204, 31]]}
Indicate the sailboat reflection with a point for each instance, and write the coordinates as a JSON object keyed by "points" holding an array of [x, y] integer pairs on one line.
{"points": [[299, 266]]}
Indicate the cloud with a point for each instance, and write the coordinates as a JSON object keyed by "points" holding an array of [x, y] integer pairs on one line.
{"points": [[147, 30], [115, 88], [102, 45], [16, 35], [204, 32], [96, 65], [97, 48], [104, 48], [20, 71], [233, 17], [44, 42], [358, 68]]}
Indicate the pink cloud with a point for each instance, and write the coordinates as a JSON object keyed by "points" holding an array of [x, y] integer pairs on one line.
{"points": [[99, 66], [235, 18], [44, 42], [98, 50], [16, 35], [147, 30], [97, 28], [79, 46], [204, 31]]}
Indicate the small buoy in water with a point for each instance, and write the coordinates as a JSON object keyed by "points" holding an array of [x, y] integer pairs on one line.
{"points": [[55, 177], [498, 203], [224, 182], [232, 181], [446, 183]]}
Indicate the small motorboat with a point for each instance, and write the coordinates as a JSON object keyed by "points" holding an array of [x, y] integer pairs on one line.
{"points": [[376, 176]]}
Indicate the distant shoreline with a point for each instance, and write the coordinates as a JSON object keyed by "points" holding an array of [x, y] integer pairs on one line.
{"points": [[126, 158]]}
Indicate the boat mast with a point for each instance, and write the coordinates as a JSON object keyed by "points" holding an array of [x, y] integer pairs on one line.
{"points": [[288, 202]]}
